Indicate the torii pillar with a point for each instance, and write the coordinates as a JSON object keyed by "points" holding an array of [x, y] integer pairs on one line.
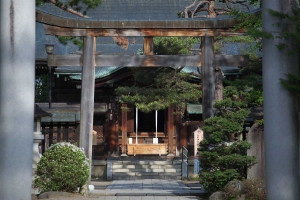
{"points": [[280, 105], [208, 76], [87, 96], [17, 45]]}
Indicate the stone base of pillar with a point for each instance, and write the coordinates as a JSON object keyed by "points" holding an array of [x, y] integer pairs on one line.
{"points": [[124, 154], [170, 155], [37, 138]]}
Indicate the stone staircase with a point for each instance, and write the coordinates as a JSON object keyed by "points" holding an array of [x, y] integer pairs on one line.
{"points": [[146, 169]]}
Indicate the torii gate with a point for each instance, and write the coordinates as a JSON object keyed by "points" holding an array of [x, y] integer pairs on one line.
{"points": [[148, 29]]}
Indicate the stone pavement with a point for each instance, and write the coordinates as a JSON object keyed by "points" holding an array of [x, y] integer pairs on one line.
{"points": [[130, 198], [150, 188], [146, 189]]}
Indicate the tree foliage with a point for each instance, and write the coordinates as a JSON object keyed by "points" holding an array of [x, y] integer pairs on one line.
{"points": [[73, 5], [253, 25], [159, 88], [41, 88], [223, 154], [174, 45], [76, 7]]}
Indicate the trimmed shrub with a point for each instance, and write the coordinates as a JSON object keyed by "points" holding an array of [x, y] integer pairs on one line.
{"points": [[254, 189], [233, 189], [248, 189], [216, 180], [64, 167], [223, 153]]}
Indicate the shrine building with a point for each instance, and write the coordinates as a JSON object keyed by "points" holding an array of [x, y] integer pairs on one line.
{"points": [[81, 83]]}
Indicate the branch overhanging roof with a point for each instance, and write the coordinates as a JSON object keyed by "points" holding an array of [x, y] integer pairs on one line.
{"points": [[128, 14], [132, 14]]}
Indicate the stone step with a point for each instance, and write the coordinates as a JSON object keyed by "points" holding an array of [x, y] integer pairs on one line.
{"points": [[146, 169], [146, 177], [146, 174], [146, 162], [146, 166]]}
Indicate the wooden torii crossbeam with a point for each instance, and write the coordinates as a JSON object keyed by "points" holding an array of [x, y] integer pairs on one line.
{"points": [[207, 60], [145, 60]]}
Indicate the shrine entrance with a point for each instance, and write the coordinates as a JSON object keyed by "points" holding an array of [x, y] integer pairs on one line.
{"points": [[147, 122], [90, 59]]}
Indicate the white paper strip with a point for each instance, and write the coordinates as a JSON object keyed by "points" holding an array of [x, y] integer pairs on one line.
{"points": [[156, 122]]}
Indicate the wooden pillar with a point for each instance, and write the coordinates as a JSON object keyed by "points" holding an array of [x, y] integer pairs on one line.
{"points": [[77, 133], [50, 86], [148, 46], [112, 134], [183, 135], [59, 138], [208, 76], [87, 95], [66, 133], [124, 129], [171, 130], [50, 134]]}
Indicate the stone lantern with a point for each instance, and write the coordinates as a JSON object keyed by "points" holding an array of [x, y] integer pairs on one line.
{"points": [[37, 135]]}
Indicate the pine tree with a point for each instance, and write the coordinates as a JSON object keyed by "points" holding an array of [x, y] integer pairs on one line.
{"points": [[223, 153]]}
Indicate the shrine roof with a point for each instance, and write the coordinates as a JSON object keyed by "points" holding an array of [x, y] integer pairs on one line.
{"points": [[133, 14], [38, 112]]}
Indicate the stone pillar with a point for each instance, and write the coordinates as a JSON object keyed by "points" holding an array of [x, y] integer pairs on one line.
{"points": [[37, 138], [17, 49], [87, 95], [280, 112]]}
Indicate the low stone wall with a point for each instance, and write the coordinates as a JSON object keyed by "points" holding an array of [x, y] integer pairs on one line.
{"points": [[99, 169], [256, 138], [191, 170]]}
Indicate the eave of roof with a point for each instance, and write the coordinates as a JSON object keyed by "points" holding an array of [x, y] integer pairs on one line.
{"points": [[181, 23]]}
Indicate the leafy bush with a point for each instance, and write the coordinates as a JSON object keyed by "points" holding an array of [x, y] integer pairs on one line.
{"points": [[216, 180], [233, 189], [64, 167], [254, 189], [248, 189]]}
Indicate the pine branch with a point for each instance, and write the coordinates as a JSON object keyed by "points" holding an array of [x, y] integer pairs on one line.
{"points": [[68, 9]]}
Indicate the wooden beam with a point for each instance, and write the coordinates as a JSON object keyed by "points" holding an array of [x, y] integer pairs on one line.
{"points": [[124, 129], [208, 76], [141, 32], [148, 46], [87, 95], [65, 60], [146, 60]]}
